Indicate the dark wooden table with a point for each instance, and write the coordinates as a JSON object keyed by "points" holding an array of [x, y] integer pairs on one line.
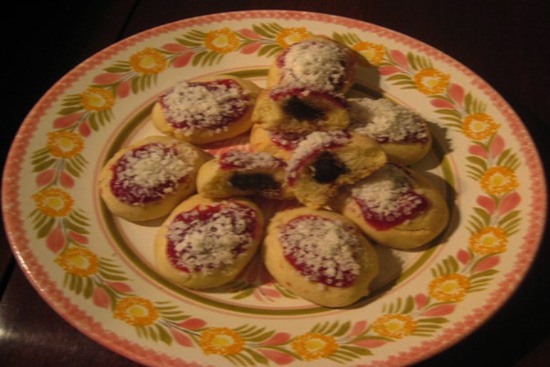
{"points": [[504, 42]]}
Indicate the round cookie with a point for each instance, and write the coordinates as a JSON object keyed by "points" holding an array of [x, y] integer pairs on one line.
{"points": [[242, 173], [207, 109], [395, 207], [325, 161], [320, 256], [205, 243], [401, 133], [286, 108], [148, 178], [279, 144], [316, 63]]}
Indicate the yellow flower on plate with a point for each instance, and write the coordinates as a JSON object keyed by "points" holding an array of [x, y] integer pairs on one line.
{"points": [[373, 52], [65, 144], [431, 81], [311, 346], [449, 288], [222, 341], [289, 36], [148, 61], [488, 241], [97, 99], [479, 126], [54, 202], [78, 261], [498, 180], [136, 311], [396, 326], [221, 40]]}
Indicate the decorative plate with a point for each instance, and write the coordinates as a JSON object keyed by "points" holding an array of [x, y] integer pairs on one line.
{"points": [[97, 271]]}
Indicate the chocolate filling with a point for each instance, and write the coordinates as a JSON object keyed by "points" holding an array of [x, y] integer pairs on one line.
{"points": [[300, 110], [256, 182], [327, 168]]}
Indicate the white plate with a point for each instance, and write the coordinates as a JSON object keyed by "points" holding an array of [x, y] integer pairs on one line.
{"points": [[97, 271]]}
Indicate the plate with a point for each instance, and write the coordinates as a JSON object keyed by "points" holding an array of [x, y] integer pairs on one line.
{"points": [[97, 271]]}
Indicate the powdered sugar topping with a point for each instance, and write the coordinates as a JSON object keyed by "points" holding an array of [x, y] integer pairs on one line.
{"points": [[322, 249], [208, 239], [385, 121]]}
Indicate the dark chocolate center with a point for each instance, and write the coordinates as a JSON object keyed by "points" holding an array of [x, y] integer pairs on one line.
{"points": [[327, 168], [300, 110], [254, 181]]}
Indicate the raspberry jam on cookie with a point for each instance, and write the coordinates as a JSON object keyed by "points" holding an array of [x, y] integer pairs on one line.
{"points": [[148, 173], [212, 105], [211, 237], [315, 151], [288, 140], [322, 250], [387, 198]]}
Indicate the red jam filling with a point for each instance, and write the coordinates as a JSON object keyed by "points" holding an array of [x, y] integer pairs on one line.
{"points": [[191, 115], [321, 249], [214, 226], [405, 205], [124, 187]]}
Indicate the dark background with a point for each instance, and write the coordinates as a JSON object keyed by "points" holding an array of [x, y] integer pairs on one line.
{"points": [[504, 42]]}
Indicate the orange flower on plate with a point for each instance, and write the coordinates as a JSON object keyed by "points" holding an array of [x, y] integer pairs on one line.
{"points": [[431, 81], [221, 40], [289, 36], [479, 126], [373, 52], [222, 341], [136, 311], [65, 144], [498, 180], [311, 346], [148, 61], [97, 99], [396, 326], [54, 202], [488, 241], [78, 261], [449, 288]]}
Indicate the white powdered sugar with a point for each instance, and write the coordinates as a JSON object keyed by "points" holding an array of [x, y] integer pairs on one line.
{"points": [[203, 106], [314, 64], [385, 121], [150, 166], [241, 159], [387, 192], [322, 248], [211, 243]]}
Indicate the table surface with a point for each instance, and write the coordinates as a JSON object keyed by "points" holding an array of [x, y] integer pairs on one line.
{"points": [[502, 41]]}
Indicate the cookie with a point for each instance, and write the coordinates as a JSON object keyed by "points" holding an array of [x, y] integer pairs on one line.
{"points": [[206, 243], [320, 256], [280, 144], [401, 133], [147, 179], [325, 161], [242, 173], [206, 110], [395, 207]]}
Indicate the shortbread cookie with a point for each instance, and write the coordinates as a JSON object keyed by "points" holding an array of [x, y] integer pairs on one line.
{"points": [[320, 256], [402, 133], [396, 207], [285, 108], [325, 161], [207, 109], [147, 179], [242, 173], [280, 144], [316, 63], [205, 243]]}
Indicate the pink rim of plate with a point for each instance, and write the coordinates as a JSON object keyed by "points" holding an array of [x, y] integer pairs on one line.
{"points": [[80, 319]]}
